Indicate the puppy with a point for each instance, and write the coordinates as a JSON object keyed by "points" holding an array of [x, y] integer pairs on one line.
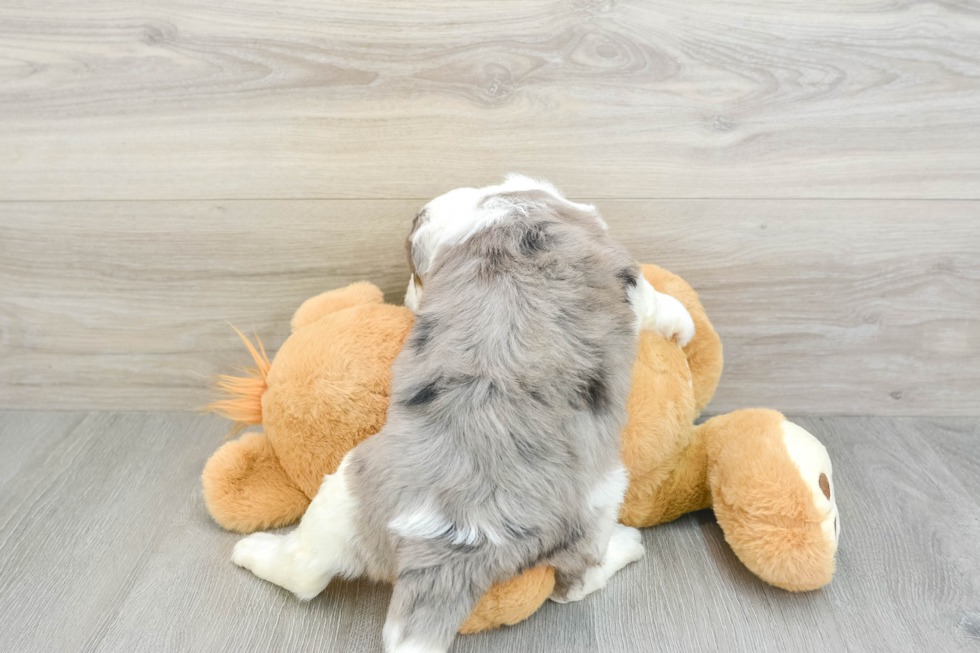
{"points": [[501, 446]]}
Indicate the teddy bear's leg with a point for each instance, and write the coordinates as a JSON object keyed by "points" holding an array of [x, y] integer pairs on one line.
{"points": [[305, 560], [246, 489], [511, 601], [332, 301], [772, 492]]}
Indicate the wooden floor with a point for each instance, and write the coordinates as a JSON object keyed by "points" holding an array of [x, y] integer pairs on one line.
{"points": [[105, 545]]}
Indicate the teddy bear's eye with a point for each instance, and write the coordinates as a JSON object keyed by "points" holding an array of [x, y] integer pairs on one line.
{"points": [[825, 485]]}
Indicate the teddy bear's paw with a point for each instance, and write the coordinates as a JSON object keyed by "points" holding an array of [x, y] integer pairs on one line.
{"points": [[810, 456]]}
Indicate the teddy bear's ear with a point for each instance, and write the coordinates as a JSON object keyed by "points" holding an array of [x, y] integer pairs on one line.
{"points": [[332, 301]]}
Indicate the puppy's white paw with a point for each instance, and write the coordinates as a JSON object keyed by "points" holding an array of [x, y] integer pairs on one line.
{"points": [[625, 546], [661, 313], [394, 643], [413, 646], [256, 550], [673, 321], [278, 559], [576, 594]]}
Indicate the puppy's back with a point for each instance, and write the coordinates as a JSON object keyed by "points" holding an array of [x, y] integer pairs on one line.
{"points": [[509, 395]]}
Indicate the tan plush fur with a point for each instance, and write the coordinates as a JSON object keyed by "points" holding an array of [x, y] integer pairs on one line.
{"points": [[246, 486], [762, 504], [512, 601], [328, 389]]}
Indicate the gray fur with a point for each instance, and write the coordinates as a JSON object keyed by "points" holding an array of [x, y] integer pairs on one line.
{"points": [[507, 405]]}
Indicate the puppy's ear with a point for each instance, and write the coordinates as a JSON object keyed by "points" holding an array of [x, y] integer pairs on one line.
{"points": [[413, 294], [408, 253], [417, 249], [584, 215]]}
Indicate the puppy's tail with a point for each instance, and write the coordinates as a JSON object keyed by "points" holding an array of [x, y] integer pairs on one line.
{"points": [[242, 402], [430, 603]]}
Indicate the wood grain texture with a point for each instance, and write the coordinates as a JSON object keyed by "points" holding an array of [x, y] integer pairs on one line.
{"points": [[82, 515], [917, 526], [105, 545], [317, 99], [823, 306]]}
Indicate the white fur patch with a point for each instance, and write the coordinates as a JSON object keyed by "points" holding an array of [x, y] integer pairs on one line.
{"points": [[413, 295], [322, 546], [413, 646], [424, 524], [625, 546], [515, 183], [457, 215], [811, 457], [658, 312], [428, 523], [610, 490], [391, 635], [450, 218]]}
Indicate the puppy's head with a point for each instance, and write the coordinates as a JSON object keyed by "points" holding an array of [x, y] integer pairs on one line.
{"points": [[455, 216]]}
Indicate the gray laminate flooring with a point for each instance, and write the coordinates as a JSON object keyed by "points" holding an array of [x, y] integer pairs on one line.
{"points": [[105, 545]]}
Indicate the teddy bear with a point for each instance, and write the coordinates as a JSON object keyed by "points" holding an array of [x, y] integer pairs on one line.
{"points": [[767, 479]]}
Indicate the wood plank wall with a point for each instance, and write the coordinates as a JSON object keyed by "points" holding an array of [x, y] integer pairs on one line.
{"points": [[813, 169]]}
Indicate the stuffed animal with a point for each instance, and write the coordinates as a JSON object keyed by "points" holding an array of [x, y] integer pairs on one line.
{"points": [[768, 480]]}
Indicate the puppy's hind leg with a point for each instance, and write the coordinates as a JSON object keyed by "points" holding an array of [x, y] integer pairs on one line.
{"points": [[607, 547], [319, 548], [430, 603], [624, 547]]}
